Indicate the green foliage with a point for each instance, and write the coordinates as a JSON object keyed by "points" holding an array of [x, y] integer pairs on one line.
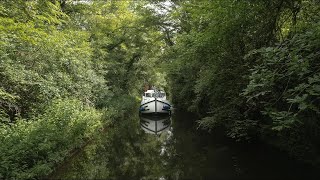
{"points": [[38, 65], [254, 72], [249, 67], [207, 71], [87, 54], [284, 83], [117, 107], [126, 49], [42, 12], [284, 87], [32, 148]]}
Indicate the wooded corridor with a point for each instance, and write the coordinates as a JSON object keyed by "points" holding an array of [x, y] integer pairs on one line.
{"points": [[70, 69]]}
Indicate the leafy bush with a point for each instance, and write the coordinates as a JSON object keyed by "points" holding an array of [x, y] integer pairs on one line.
{"points": [[31, 148], [285, 83], [40, 62], [284, 89]]}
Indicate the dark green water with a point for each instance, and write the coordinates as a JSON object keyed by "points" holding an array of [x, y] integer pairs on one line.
{"points": [[128, 150]]}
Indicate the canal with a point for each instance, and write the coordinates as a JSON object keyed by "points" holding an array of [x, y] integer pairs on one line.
{"points": [[172, 148]]}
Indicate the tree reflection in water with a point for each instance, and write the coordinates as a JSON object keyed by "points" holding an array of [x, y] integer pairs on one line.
{"points": [[172, 148], [125, 151]]}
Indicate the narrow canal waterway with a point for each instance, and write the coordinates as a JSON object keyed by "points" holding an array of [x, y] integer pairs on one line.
{"points": [[129, 150]]}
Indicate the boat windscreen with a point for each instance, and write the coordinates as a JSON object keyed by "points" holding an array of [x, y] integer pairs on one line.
{"points": [[155, 95], [158, 95]]}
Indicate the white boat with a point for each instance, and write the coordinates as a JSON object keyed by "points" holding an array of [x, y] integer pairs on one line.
{"points": [[155, 124], [155, 102]]}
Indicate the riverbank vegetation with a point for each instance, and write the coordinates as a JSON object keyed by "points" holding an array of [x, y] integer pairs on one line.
{"points": [[251, 67], [68, 68]]}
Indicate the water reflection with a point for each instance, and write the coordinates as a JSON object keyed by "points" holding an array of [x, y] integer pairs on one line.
{"points": [[130, 150], [155, 124]]}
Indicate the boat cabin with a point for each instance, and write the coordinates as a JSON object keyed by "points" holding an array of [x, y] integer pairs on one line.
{"points": [[153, 93]]}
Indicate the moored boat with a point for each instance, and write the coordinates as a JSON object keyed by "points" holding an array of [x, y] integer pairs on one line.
{"points": [[155, 102]]}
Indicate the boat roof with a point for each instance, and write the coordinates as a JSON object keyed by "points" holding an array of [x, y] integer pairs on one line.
{"points": [[152, 91]]}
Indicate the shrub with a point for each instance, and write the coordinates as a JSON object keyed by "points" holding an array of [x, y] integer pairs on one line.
{"points": [[30, 148]]}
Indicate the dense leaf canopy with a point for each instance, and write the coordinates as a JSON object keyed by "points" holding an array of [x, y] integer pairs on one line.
{"points": [[250, 68]]}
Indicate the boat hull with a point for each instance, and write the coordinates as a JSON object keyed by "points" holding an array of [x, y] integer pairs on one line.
{"points": [[155, 106]]}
